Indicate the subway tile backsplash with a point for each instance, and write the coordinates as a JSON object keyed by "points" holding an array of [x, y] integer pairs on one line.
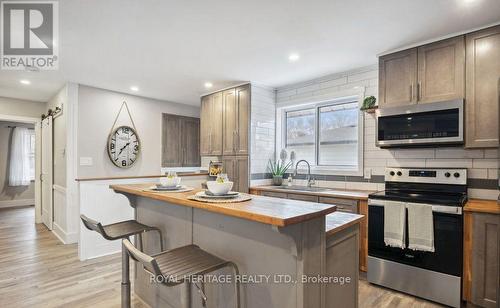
{"points": [[482, 164]]}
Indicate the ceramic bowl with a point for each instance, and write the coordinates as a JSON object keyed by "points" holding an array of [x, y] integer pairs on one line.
{"points": [[218, 188]]}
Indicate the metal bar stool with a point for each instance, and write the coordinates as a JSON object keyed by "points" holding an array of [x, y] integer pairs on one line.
{"points": [[178, 265], [122, 230]]}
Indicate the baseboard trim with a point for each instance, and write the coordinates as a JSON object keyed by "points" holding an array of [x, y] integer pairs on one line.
{"points": [[65, 238], [16, 203]]}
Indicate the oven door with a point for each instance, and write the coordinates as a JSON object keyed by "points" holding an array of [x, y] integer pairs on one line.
{"points": [[420, 124], [447, 257]]}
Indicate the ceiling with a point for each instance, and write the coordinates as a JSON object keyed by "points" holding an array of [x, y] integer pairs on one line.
{"points": [[169, 49]]}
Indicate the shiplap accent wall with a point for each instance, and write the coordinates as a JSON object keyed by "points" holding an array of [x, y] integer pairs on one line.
{"points": [[262, 130], [482, 164]]}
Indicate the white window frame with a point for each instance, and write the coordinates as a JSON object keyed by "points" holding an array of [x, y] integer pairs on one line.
{"points": [[322, 169]]}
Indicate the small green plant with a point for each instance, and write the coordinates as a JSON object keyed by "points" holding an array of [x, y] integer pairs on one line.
{"points": [[369, 102], [278, 168]]}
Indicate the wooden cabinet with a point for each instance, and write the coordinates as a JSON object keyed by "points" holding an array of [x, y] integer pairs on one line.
{"points": [[398, 78], [430, 73], [441, 71], [342, 261], [482, 88], [481, 259], [301, 197], [211, 124], [236, 119], [343, 205], [237, 170], [180, 141], [190, 142]]}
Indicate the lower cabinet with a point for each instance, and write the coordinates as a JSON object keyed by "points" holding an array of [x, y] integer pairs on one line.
{"points": [[342, 262], [237, 170], [481, 259], [343, 205]]}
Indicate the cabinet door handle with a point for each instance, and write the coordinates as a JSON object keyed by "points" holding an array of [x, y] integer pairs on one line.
{"points": [[419, 90], [234, 141], [411, 92]]}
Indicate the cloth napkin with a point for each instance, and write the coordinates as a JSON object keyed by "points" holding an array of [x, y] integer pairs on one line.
{"points": [[394, 224], [420, 227]]}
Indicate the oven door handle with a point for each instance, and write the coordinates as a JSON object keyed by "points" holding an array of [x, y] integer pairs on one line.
{"points": [[454, 210]]}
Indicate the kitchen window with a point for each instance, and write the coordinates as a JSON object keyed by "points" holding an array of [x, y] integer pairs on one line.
{"points": [[328, 135]]}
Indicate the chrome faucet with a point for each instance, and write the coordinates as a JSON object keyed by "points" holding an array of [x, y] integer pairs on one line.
{"points": [[310, 181]]}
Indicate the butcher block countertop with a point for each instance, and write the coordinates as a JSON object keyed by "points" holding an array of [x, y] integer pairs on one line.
{"points": [[482, 206], [338, 221], [271, 211], [328, 192]]}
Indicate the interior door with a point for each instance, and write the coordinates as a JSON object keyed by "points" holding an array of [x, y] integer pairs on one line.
{"points": [[46, 173]]}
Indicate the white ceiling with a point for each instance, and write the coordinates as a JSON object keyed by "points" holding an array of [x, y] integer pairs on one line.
{"points": [[169, 49]]}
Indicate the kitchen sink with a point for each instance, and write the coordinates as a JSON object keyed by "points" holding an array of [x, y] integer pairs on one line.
{"points": [[302, 188]]}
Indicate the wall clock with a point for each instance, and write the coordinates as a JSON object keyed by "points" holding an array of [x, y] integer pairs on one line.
{"points": [[124, 146]]}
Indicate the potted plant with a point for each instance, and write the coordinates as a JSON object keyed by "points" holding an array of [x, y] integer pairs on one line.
{"points": [[278, 169], [369, 103]]}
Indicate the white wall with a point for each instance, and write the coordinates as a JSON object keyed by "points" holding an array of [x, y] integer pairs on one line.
{"points": [[96, 113], [21, 108], [481, 164]]}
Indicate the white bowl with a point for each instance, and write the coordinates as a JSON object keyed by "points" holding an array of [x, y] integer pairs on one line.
{"points": [[218, 189], [170, 182]]}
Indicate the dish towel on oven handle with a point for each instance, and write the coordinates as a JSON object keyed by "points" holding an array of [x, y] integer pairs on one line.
{"points": [[420, 227], [394, 224]]}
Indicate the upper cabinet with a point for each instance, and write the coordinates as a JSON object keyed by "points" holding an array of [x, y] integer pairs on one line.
{"points": [[211, 124], [398, 78], [236, 110], [482, 91], [225, 121], [430, 73], [180, 141], [441, 69]]}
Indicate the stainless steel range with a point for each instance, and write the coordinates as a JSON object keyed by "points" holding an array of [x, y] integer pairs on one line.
{"points": [[434, 275]]}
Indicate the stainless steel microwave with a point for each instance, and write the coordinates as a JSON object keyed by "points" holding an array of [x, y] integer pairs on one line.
{"points": [[430, 124]]}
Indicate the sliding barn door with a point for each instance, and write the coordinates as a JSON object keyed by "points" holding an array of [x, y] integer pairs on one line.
{"points": [[46, 174]]}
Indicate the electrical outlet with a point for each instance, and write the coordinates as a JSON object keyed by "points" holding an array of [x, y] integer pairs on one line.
{"points": [[368, 173], [86, 161]]}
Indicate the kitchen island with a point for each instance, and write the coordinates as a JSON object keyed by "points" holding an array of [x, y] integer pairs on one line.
{"points": [[277, 244]]}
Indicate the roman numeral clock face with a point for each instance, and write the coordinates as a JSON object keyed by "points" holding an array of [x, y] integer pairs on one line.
{"points": [[124, 147]]}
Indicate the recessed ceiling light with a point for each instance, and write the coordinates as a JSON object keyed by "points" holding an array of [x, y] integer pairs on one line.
{"points": [[24, 81], [134, 88], [208, 85], [293, 57]]}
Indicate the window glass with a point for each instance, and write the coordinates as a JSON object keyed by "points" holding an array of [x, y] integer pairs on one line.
{"points": [[300, 133]]}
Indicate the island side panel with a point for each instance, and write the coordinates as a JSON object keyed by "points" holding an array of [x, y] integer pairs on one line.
{"points": [[262, 250], [175, 222]]}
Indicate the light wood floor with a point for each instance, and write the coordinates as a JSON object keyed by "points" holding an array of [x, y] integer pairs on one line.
{"points": [[36, 270]]}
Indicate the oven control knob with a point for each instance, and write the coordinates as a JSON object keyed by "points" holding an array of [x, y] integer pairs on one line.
{"points": [[447, 174], [456, 174], [392, 173], [400, 173]]}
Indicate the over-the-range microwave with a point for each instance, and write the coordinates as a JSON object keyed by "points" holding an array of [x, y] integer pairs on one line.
{"points": [[427, 124]]}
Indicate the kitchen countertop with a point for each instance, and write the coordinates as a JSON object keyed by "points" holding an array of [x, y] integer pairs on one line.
{"points": [[328, 192], [272, 211], [482, 206], [338, 221]]}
